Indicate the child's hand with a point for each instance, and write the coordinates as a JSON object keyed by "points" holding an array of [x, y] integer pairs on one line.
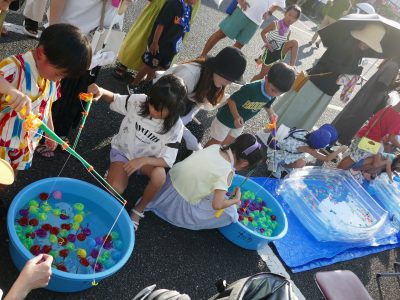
{"points": [[268, 45], [273, 117], [154, 48], [133, 165], [238, 195], [238, 122], [35, 274], [96, 91], [52, 145], [19, 100], [243, 4]]}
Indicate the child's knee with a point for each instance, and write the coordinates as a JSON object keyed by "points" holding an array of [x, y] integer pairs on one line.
{"points": [[293, 44], [116, 184], [300, 163], [158, 176]]}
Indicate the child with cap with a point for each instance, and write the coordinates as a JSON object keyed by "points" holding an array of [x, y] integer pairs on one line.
{"points": [[165, 40], [206, 80], [248, 101], [291, 151]]}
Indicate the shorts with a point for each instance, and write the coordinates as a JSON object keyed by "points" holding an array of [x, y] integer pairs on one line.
{"points": [[19, 159], [238, 27], [117, 156], [268, 57], [220, 131], [161, 60], [357, 154]]}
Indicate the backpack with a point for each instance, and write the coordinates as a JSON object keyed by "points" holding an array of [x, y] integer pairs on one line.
{"points": [[261, 286], [291, 134]]}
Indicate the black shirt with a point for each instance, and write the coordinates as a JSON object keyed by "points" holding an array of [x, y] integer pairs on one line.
{"points": [[169, 16], [344, 58]]}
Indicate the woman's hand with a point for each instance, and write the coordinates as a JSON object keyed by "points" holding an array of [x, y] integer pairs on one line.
{"points": [[268, 45], [96, 91], [243, 4], [134, 165]]}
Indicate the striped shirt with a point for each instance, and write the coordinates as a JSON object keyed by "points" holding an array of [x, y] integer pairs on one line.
{"points": [[275, 39]]}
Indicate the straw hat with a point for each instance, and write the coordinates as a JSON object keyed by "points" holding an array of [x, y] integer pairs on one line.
{"points": [[371, 35]]}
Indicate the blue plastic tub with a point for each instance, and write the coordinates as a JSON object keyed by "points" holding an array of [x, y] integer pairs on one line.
{"points": [[104, 209], [247, 238]]}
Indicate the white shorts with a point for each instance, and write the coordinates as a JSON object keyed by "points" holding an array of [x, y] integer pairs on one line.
{"points": [[220, 131]]}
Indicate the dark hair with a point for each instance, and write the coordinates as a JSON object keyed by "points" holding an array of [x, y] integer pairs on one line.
{"points": [[67, 48], [168, 92], [242, 143], [281, 76], [296, 8], [205, 88]]}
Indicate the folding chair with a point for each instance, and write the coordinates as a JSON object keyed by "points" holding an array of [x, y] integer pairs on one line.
{"points": [[396, 274], [341, 284]]}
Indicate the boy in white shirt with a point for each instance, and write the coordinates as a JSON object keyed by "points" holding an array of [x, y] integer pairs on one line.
{"points": [[243, 23]]}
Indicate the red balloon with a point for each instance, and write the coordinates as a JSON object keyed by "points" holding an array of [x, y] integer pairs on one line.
{"points": [[43, 196]]}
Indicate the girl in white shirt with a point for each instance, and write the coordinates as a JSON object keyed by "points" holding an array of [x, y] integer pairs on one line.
{"points": [[148, 137]]}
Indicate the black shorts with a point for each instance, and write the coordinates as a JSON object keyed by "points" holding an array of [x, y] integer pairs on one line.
{"points": [[161, 60], [268, 57]]}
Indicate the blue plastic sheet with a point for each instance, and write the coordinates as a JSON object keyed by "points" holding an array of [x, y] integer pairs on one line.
{"points": [[300, 251]]}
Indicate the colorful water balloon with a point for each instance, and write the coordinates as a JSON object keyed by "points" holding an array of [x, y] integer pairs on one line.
{"points": [[78, 218], [43, 196], [79, 206], [81, 253], [57, 195]]}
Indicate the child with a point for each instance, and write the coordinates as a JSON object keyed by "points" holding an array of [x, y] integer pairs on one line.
{"points": [[248, 101], [277, 44], [196, 187], [4, 5], [292, 151], [148, 138], [384, 126], [165, 40], [243, 23], [62, 51]]}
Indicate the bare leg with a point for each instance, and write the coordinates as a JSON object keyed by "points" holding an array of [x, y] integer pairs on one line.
{"points": [[262, 74], [238, 45], [157, 178], [293, 46], [345, 163], [212, 41], [117, 177], [142, 72]]}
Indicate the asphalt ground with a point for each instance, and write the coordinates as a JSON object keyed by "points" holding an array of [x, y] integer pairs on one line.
{"points": [[171, 257]]}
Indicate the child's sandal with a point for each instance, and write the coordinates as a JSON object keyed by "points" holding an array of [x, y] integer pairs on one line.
{"points": [[139, 214]]}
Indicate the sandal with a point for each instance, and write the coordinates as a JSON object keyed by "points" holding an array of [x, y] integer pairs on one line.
{"points": [[119, 71], [45, 151], [139, 214]]}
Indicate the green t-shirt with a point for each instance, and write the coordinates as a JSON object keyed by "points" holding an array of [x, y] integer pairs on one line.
{"points": [[249, 99]]}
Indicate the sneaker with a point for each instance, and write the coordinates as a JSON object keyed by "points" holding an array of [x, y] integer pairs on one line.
{"points": [[31, 28]]}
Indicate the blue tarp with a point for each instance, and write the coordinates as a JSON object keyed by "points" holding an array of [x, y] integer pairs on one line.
{"points": [[300, 251]]}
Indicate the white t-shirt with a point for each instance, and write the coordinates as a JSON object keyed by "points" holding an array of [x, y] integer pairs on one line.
{"points": [[139, 136], [86, 14], [201, 174], [257, 8]]}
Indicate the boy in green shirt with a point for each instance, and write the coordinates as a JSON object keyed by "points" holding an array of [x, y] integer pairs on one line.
{"points": [[248, 101]]}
